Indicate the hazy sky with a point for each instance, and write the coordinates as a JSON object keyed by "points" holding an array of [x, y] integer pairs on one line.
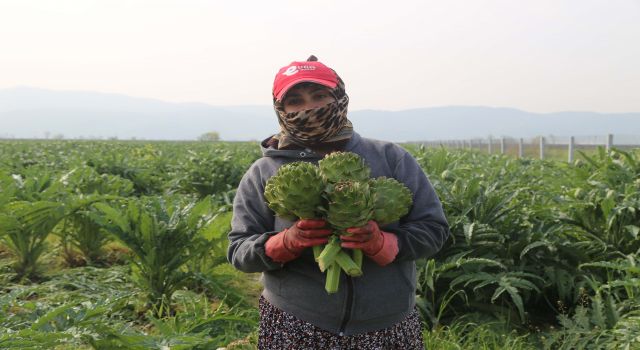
{"points": [[536, 55]]}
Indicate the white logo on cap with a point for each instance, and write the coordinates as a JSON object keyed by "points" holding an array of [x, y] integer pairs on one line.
{"points": [[291, 71]]}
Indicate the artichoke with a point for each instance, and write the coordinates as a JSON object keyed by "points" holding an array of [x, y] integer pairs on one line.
{"points": [[343, 166], [391, 199], [273, 200], [349, 204], [295, 191]]}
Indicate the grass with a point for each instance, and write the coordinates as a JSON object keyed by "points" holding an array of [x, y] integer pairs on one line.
{"points": [[462, 335]]}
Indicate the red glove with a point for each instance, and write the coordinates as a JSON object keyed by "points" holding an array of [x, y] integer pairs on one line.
{"points": [[380, 246], [289, 244]]}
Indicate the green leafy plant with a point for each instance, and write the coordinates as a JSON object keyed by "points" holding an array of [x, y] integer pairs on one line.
{"points": [[211, 172], [81, 232], [25, 226], [164, 235], [145, 176], [197, 326]]}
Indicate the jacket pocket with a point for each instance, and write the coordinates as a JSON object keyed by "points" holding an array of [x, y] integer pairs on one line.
{"points": [[385, 291], [303, 289]]}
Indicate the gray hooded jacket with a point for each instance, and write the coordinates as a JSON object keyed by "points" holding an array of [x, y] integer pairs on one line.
{"points": [[379, 298]]}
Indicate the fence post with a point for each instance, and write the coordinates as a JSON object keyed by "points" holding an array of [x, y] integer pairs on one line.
{"points": [[521, 148], [490, 145], [502, 145], [609, 142], [541, 147], [571, 146]]}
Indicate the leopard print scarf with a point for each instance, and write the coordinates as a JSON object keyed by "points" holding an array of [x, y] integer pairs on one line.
{"points": [[315, 126]]}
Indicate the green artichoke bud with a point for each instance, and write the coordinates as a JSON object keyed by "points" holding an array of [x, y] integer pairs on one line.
{"points": [[295, 191], [272, 197], [350, 204], [391, 199], [343, 166]]}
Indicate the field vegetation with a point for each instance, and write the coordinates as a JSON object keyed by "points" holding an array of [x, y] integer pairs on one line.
{"points": [[121, 245]]}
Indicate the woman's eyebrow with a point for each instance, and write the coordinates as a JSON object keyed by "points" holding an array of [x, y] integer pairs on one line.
{"points": [[316, 88], [292, 94]]}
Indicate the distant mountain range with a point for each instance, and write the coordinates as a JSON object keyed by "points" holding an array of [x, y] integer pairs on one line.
{"points": [[36, 113]]}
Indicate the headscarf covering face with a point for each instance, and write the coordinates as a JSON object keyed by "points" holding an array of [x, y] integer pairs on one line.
{"points": [[316, 126]]}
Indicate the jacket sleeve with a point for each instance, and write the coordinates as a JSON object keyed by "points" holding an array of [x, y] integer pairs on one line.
{"points": [[251, 226], [423, 231]]}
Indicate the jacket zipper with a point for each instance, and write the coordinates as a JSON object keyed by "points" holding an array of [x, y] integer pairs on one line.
{"points": [[347, 315]]}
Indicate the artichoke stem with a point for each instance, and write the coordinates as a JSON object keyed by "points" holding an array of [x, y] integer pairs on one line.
{"points": [[328, 255], [357, 258], [349, 266], [317, 249], [333, 278]]}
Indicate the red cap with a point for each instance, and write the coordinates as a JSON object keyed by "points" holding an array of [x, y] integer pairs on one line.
{"points": [[298, 72]]}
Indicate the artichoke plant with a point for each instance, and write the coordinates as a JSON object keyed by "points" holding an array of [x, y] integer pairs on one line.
{"points": [[340, 191], [350, 204], [342, 166], [164, 234], [295, 191], [272, 196], [391, 199]]}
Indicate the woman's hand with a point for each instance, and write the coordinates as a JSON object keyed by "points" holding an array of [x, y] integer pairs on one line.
{"points": [[289, 243], [380, 246]]}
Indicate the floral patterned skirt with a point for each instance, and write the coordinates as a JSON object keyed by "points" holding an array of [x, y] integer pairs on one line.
{"points": [[280, 330]]}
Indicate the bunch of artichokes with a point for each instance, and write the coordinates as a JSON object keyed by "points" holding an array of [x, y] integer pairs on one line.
{"points": [[340, 191]]}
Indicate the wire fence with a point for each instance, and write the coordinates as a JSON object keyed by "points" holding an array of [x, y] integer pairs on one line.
{"points": [[543, 147]]}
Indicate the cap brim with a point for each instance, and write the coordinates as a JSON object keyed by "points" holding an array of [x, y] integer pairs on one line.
{"points": [[327, 83]]}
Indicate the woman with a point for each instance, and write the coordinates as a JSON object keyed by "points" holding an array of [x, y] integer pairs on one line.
{"points": [[373, 311]]}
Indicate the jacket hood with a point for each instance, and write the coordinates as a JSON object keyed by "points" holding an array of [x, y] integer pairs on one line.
{"points": [[301, 153]]}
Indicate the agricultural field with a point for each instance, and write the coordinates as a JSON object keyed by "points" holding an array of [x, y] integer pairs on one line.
{"points": [[122, 245]]}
